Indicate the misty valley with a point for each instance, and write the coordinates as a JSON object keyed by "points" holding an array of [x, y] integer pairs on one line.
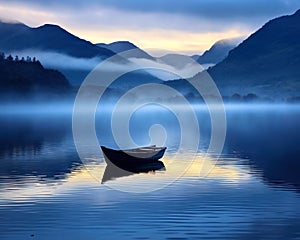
{"points": [[227, 121]]}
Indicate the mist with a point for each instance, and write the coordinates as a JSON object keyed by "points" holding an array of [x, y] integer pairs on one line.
{"points": [[160, 69], [57, 60], [166, 71]]}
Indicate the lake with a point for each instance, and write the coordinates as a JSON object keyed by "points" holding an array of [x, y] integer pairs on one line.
{"points": [[250, 192]]}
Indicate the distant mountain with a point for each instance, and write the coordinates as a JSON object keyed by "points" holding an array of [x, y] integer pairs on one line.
{"points": [[218, 52], [123, 46], [178, 61], [49, 38], [268, 62], [119, 46], [215, 54]]}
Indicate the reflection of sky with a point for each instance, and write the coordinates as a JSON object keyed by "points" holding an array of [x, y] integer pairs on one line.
{"points": [[58, 150], [32, 188], [234, 200], [184, 26], [228, 200]]}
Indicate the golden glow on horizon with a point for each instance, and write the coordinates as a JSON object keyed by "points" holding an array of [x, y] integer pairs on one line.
{"points": [[158, 41], [162, 41]]}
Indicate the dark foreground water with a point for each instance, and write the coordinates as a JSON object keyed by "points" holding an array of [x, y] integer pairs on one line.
{"points": [[251, 193]]}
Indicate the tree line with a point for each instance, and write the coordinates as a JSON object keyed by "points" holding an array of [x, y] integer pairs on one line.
{"points": [[16, 58]]}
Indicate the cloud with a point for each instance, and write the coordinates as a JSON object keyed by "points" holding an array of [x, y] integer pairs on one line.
{"points": [[159, 33], [208, 8], [201, 8], [172, 24], [176, 14]]}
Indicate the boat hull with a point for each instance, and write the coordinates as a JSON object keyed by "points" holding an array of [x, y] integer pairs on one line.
{"points": [[132, 158]]}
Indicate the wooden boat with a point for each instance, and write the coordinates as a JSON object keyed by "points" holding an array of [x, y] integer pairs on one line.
{"points": [[133, 157]]}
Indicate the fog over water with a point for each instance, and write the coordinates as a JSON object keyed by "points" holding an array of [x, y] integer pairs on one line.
{"points": [[45, 189]]}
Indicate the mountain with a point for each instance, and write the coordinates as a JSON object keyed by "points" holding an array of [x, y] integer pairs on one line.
{"points": [[55, 48], [119, 46], [217, 52], [123, 46], [266, 63], [15, 37], [25, 77]]}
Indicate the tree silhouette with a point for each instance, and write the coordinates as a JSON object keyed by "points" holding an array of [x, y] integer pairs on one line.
{"points": [[10, 58], [2, 56]]}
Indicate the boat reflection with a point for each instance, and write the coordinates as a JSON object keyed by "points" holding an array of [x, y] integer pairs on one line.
{"points": [[113, 172]]}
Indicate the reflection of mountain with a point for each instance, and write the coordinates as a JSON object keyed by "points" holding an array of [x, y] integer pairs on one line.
{"points": [[272, 147], [217, 52], [26, 143], [265, 63]]}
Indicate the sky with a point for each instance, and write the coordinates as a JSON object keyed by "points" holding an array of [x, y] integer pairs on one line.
{"points": [[158, 26]]}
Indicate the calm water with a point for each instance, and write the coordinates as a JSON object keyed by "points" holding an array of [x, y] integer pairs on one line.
{"points": [[252, 192]]}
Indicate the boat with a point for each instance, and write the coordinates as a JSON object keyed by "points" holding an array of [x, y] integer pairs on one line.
{"points": [[130, 158]]}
